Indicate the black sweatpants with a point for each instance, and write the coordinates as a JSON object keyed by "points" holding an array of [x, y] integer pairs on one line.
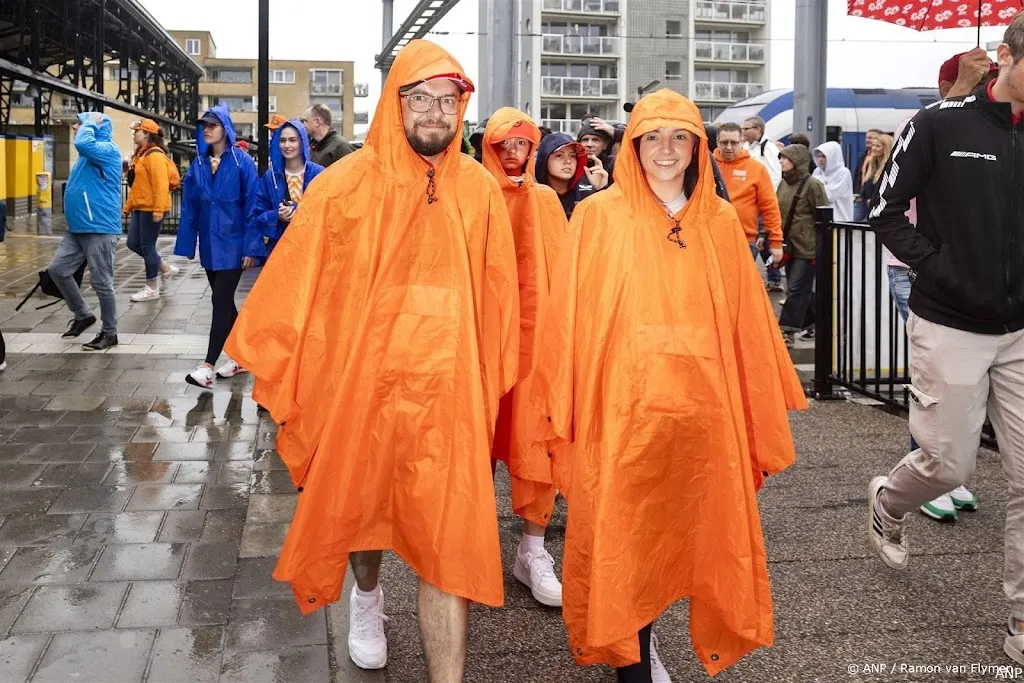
{"points": [[223, 283], [640, 672]]}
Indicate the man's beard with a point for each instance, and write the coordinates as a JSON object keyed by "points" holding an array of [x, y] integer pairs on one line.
{"points": [[430, 146]]}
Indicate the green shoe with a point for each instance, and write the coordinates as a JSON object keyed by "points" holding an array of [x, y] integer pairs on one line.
{"points": [[941, 508], [963, 499]]}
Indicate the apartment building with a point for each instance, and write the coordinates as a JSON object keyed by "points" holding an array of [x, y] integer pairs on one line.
{"points": [[569, 58]]}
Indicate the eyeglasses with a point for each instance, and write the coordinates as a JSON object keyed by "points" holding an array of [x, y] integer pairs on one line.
{"points": [[421, 104], [729, 143]]}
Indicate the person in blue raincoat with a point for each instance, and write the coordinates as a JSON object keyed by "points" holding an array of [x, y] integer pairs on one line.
{"points": [[219, 196], [281, 187]]}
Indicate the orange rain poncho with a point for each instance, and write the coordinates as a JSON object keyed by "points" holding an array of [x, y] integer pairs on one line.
{"points": [[663, 384], [382, 334], [539, 226]]}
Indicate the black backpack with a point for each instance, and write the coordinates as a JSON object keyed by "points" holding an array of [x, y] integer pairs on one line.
{"points": [[49, 287]]}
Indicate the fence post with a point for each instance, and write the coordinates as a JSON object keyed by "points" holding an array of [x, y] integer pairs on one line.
{"points": [[823, 304]]}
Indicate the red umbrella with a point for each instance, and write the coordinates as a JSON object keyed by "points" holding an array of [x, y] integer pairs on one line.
{"points": [[931, 15]]}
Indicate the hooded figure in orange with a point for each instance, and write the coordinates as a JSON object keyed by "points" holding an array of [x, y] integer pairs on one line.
{"points": [[662, 388], [382, 335], [539, 226]]}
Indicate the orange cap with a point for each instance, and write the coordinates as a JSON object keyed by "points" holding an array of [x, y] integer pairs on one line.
{"points": [[276, 121], [148, 125]]}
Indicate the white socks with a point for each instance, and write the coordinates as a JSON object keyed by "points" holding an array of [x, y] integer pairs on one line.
{"points": [[371, 595], [531, 544]]}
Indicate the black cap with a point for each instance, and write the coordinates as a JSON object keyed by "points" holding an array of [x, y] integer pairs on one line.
{"points": [[209, 117]]}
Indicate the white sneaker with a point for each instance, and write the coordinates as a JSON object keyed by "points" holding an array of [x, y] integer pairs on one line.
{"points": [[147, 293], [659, 674], [887, 537], [230, 369], [1014, 644], [170, 272], [201, 377], [3, 366], [536, 570], [942, 509], [367, 644], [963, 499]]}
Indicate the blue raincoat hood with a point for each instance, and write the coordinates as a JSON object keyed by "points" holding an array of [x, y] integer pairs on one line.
{"points": [[276, 158], [223, 115], [104, 130], [547, 147]]}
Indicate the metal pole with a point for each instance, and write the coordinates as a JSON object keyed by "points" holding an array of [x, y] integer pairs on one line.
{"points": [[823, 323], [388, 30], [263, 88], [809, 92]]}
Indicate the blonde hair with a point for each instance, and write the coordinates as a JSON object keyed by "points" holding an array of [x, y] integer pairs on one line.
{"points": [[874, 165]]}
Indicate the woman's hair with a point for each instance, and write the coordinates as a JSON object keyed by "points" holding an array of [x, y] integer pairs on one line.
{"points": [[158, 140], [692, 173], [875, 164]]}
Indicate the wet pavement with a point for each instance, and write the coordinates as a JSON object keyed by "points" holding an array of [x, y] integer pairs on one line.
{"points": [[140, 520]]}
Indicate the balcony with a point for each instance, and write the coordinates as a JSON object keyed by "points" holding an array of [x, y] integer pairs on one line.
{"points": [[585, 46], [569, 86], [734, 53], [570, 126], [729, 12], [582, 6], [325, 88], [705, 91]]}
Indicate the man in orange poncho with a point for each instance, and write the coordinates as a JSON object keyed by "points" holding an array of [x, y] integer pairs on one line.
{"points": [[539, 225], [662, 388], [382, 335]]}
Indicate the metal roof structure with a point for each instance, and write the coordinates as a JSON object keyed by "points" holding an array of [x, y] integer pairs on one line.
{"points": [[423, 17]]}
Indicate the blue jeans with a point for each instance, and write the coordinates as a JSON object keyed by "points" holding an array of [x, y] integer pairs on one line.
{"points": [[798, 311], [899, 286], [142, 234], [98, 251]]}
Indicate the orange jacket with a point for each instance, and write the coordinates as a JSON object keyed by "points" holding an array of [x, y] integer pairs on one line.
{"points": [[382, 334], [151, 189], [662, 386], [751, 193], [539, 226]]}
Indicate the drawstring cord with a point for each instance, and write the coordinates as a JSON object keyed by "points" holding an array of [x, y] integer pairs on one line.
{"points": [[674, 236], [431, 187]]}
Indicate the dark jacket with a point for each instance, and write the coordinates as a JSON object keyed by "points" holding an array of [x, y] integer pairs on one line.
{"points": [[578, 191], [606, 157], [330, 149], [800, 234], [963, 159]]}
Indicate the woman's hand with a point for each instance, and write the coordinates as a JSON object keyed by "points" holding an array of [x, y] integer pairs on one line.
{"points": [[157, 216], [285, 212], [596, 174], [248, 262]]}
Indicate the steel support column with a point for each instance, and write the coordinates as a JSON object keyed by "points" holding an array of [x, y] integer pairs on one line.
{"points": [[388, 26], [263, 88], [809, 90]]}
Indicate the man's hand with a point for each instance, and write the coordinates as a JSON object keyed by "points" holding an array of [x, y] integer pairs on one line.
{"points": [[603, 126], [759, 244], [248, 262], [157, 216], [597, 176], [777, 255], [973, 66]]}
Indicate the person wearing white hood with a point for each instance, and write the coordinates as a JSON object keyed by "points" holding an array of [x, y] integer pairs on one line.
{"points": [[832, 172]]}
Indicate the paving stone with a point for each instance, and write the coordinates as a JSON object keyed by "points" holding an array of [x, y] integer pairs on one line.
{"points": [[142, 418], [88, 474], [14, 475], [263, 539], [28, 501], [235, 450], [92, 418], [212, 560], [122, 527], [46, 435], [225, 496], [276, 482], [182, 526], [197, 473], [129, 473], [206, 603], [140, 562], [30, 418], [92, 499], [33, 530], [272, 508], [11, 453], [166, 497], [71, 453], [254, 579], [77, 403], [225, 433], [152, 604], [188, 655], [162, 435], [268, 461], [103, 656], [19, 654], [131, 452], [20, 402], [115, 434], [234, 473], [71, 608], [186, 451], [12, 601], [271, 623], [291, 664], [224, 525], [127, 402], [112, 389]]}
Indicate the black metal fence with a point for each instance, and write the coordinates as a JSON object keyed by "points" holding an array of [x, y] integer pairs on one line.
{"points": [[861, 342], [172, 218]]}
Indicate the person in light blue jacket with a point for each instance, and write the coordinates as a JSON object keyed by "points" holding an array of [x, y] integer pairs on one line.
{"points": [[282, 186], [92, 206], [219, 196]]}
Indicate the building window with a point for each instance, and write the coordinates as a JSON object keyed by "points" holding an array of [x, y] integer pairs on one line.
{"points": [[282, 76], [325, 81], [192, 46], [673, 70], [273, 103], [242, 104], [673, 28], [219, 75], [332, 103]]}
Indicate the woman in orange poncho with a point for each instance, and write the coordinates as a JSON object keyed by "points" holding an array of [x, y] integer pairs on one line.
{"points": [[539, 226], [382, 334], [662, 386]]}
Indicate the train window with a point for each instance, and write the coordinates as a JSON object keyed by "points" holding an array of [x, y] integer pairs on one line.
{"points": [[834, 133]]}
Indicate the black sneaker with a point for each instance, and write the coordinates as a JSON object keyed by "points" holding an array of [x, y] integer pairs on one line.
{"points": [[808, 333], [102, 342], [77, 327]]}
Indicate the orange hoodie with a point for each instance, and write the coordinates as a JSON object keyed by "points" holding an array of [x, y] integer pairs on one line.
{"points": [[151, 189], [751, 193], [382, 334], [662, 387], [539, 226]]}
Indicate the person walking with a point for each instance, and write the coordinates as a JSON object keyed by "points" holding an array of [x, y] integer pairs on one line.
{"points": [[219, 197]]}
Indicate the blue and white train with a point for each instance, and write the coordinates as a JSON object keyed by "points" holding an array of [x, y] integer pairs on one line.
{"points": [[851, 112]]}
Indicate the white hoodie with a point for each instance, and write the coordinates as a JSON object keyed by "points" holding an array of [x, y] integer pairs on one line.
{"points": [[767, 152], [837, 180]]}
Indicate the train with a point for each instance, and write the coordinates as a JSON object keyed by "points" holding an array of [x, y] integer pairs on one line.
{"points": [[850, 113]]}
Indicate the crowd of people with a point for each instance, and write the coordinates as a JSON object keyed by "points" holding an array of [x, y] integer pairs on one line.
{"points": [[584, 310]]}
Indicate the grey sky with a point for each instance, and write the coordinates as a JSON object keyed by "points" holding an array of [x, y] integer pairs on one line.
{"points": [[862, 53]]}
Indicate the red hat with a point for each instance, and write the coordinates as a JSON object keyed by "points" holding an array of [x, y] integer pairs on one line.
{"points": [[950, 69], [242, 144]]}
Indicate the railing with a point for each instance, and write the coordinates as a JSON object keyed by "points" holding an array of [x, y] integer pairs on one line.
{"points": [[587, 46], [169, 225], [728, 52], [860, 341], [730, 10], [582, 6], [569, 86], [725, 92], [325, 88], [571, 126]]}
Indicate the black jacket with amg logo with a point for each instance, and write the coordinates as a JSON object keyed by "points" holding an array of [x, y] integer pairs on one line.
{"points": [[963, 159]]}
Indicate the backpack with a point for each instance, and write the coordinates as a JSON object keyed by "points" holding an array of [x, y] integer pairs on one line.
{"points": [[50, 288], [173, 175]]}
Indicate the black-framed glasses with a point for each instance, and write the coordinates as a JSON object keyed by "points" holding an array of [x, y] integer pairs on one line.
{"points": [[729, 143], [421, 104]]}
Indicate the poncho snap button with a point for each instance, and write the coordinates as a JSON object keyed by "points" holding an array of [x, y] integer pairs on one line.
{"points": [[300, 489], [312, 600], [714, 658]]}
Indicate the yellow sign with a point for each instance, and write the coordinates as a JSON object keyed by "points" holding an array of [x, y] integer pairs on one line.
{"points": [[44, 191]]}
